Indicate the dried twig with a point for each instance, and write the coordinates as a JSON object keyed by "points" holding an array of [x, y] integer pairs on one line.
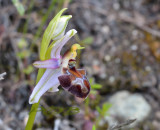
{"points": [[1, 75], [119, 126]]}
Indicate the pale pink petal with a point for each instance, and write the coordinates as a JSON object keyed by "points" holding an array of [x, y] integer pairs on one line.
{"points": [[48, 80], [55, 53], [49, 64]]}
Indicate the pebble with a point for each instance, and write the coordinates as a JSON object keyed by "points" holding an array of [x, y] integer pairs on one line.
{"points": [[129, 106]]}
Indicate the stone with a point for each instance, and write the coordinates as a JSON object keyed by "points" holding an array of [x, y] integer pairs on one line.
{"points": [[127, 106]]}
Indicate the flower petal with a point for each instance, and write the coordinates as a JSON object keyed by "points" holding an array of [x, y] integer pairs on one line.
{"points": [[50, 64], [60, 29], [48, 80], [55, 53], [65, 81]]}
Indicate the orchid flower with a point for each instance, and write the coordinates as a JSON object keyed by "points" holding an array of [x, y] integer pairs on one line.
{"points": [[60, 70]]}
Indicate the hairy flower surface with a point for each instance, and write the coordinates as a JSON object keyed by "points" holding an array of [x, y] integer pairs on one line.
{"points": [[59, 69]]}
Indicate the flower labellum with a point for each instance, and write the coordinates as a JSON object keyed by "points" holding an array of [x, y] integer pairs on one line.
{"points": [[75, 80]]}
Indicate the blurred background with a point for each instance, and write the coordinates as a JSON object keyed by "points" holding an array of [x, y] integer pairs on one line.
{"points": [[121, 57]]}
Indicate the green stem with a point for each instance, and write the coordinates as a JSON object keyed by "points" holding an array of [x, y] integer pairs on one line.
{"points": [[35, 106], [32, 116]]}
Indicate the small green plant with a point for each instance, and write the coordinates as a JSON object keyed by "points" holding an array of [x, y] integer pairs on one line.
{"points": [[102, 112], [23, 52], [94, 86], [88, 40], [28, 70], [52, 111], [19, 6]]}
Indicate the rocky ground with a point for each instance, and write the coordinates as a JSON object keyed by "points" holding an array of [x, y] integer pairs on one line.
{"points": [[122, 40]]}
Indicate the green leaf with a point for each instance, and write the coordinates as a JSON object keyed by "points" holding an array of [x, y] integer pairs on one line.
{"points": [[88, 40], [91, 80], [28, 70], [106, 106], [93, 91], [19, 7], [48, 34], [96, 86], [22, 43], [98, 109], [23, 54], [94, 127]]}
